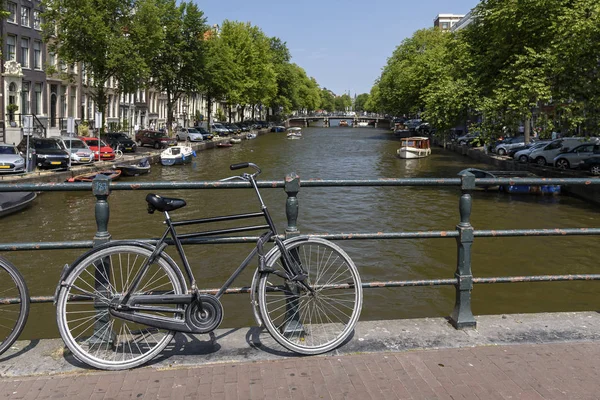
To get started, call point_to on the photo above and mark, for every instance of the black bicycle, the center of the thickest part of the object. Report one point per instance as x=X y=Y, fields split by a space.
x=120 y=304
x=14 y=304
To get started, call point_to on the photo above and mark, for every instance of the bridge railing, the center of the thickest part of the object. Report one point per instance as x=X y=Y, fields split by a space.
x=464 y=233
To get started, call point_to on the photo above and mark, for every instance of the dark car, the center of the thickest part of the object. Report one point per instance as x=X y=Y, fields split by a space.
x=122 y=140
x=206 y=135
x=591 y=164
x=47 y=153
x=156 y=139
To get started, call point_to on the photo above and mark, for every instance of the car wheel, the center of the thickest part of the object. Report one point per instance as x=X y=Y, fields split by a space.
x=187 y=139
x=562 y=164
x=157 y=145
x=139 y=143
x=540 y=161
x=595 y=170
x=501 y=152
x=177 y=137
x=523 y=159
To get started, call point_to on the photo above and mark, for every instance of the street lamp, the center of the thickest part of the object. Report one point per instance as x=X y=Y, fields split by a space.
x=184 y=107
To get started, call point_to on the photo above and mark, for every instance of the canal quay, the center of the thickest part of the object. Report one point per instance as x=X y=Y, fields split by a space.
x=410 y=317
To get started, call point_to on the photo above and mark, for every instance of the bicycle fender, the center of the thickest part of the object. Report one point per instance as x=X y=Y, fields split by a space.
x=68 y=268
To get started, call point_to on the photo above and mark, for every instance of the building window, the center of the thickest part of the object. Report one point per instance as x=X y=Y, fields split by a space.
x=37 y=20
x=37 y=54
x=12 y=12
x=445 y=25
x=52 y=59
x=25 y=15
x=25 y=52
x=37 y=105
x=11 y=43
x=25 y=98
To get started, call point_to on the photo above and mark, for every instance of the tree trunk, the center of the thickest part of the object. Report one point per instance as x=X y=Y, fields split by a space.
x=527 y=130
x=208 y=111
x=229 y=110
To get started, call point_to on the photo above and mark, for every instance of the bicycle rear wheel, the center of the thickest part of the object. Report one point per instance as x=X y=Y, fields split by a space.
x=14 y=304
x=103 y=275
x=305 y=322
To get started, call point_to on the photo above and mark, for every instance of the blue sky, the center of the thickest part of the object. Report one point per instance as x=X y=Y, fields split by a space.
x=342 y=44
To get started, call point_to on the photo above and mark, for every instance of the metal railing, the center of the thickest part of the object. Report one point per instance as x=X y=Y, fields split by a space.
x=464 y=234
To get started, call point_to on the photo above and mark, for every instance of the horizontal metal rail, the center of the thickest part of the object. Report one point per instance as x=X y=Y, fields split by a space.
x=463 y=233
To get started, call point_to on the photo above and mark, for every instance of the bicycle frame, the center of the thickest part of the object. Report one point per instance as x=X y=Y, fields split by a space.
x=130 y=302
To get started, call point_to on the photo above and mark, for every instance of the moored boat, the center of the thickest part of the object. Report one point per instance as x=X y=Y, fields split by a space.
x=113 y=174
x=343 y=122
x=278 y=129
x=141 y=168
x=294 y=133
x=362 y=123
x=11 y=202
x=177 y=155
x=251 y=135
x=222 y=144
x=414 y=147
x=235 y=140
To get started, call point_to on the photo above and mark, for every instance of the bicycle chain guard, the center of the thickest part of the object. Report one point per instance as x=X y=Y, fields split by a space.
x=205 y=319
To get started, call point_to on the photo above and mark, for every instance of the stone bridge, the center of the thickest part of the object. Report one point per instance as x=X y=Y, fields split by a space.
x=355 y=121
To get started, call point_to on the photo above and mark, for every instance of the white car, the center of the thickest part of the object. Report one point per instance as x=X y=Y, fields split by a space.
x=189 y=135
x=79 y=150
x=523 y=155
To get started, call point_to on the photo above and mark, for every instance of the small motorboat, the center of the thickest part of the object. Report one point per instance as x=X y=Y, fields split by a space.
x=141 y=168
x=113 y=175
x=235 y=140
x=343 y=122
x=177 y=155
x=414 y=147
x=222 y=144
x=294 y=133
x=11 y=202
x=251 y=135
x=362 y=124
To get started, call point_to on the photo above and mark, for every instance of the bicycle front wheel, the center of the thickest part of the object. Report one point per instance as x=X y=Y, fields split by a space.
x=305 y=321
x=14 y=304
x=102 y=276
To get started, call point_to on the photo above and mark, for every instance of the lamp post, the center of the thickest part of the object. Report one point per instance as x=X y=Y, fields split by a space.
x=184 y=107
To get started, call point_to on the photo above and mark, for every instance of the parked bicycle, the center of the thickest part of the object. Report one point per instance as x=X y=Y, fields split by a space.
x=14 y=305
x=120 y=304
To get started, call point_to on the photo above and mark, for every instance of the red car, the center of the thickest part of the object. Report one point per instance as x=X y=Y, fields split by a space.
x=106 y=153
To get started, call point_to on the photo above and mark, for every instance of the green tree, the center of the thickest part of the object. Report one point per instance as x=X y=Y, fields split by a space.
x=361 y=100
x=177 y=64
x=110 y=37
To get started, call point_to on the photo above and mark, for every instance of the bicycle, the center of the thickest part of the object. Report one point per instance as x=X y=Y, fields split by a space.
x=14 y=304
x=120 y=304
x=118 y=151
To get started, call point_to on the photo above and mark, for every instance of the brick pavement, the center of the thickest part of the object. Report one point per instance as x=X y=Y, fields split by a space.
x=524 y=371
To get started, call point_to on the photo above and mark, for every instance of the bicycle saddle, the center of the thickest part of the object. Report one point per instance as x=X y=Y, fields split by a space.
x=162 y=204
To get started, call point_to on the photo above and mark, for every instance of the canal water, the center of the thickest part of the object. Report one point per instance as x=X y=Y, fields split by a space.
x=337 y=153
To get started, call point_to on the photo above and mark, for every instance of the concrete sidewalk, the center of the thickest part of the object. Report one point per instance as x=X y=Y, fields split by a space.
x=534 y=356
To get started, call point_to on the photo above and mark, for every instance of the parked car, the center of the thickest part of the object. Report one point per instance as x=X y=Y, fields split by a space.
x=102 y=151
x=591 y=164
x=10 y=159
x=523 y=155
x=189 y=135
x=467 y=139
x=545 y=155
x=156 y=139
x=573 y=157
x=122 y=140
x=206 y=135
x=47 y=153
x=79 y=150
x=219 y=129
x=508 y=143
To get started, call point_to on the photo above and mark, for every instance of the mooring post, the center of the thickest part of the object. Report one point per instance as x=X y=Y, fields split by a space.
x=292 y=187
x=102 y=335
x=462 y=316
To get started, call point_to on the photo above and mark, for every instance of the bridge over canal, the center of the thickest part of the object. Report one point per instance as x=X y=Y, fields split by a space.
x=354 y=121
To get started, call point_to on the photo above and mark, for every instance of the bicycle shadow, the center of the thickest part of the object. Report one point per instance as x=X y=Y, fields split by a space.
x=9 y=356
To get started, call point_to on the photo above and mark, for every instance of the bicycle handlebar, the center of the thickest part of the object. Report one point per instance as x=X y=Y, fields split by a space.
x=245 y=165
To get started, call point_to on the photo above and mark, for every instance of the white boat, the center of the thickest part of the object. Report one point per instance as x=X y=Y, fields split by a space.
x=294 y=133
x=251 y=135
x=235 y=140
x=414 y=147
x=362 y=123
x=177 y=155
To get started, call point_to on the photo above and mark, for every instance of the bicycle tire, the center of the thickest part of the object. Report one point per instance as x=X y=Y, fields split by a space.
x=118 y=154
x=94 y=336
x=300 y=321
x=14 y=309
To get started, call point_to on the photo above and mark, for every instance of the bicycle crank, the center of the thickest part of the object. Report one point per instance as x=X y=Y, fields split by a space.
x=205 y=319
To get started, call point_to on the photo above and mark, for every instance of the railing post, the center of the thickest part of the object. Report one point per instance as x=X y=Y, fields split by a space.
x=292 y=187
x=102 y=335
x=462 y=316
